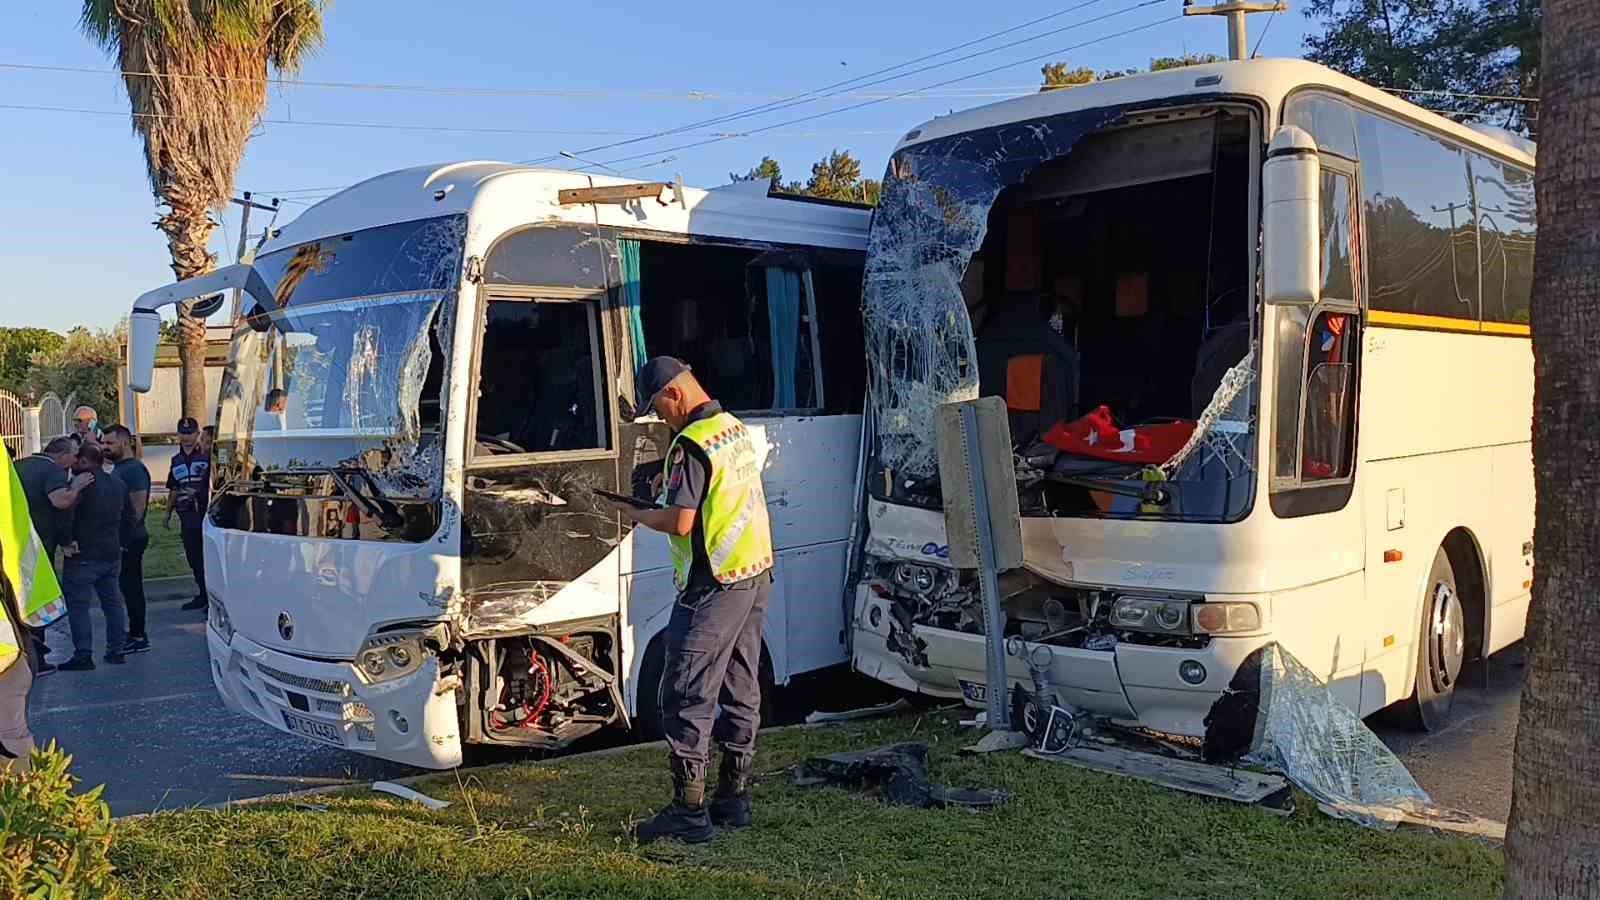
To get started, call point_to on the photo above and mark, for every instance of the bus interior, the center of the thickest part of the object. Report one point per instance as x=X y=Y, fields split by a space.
x=1113 y=284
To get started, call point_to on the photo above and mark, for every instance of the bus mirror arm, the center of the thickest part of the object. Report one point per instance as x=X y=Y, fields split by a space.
x=144 y=325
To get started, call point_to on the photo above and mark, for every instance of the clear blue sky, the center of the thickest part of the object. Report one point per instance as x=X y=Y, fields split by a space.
x=77 y=210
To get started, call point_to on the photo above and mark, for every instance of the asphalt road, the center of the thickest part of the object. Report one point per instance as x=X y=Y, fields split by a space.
x=155 y=734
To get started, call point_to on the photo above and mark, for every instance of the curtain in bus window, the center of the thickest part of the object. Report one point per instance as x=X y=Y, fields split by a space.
x=932 y=218
x=1330 y=396
x=1506 y=218
x=1291 y=348
x=632 y=299
x=1421 y=243
x=783 y=321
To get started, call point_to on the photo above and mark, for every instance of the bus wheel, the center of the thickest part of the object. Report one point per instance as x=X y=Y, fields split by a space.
x=1440 y=647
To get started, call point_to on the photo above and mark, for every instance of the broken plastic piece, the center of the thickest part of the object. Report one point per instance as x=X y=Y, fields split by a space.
x=405 y=793
x=1278 y=714
x=865 y=712
x=902 y=771
x=998 y=742
x=1238 y=785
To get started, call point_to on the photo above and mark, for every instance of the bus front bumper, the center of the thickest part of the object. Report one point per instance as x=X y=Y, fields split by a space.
x=407 y=720
x=1128 y=682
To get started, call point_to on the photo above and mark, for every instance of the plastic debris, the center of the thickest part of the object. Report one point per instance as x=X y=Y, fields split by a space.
x=405 y=793
x=865 y=712
x=1278 y=714
x=901 y=771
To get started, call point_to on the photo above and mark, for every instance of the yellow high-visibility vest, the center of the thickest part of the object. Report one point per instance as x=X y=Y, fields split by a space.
x=24 y=565
x=733 y=515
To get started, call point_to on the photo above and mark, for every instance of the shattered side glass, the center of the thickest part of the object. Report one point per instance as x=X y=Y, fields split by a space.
x=932 y=219
x=1281 y=716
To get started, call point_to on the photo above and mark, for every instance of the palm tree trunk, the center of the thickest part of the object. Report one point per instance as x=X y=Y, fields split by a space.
x=188 y=229
x=1553 y=840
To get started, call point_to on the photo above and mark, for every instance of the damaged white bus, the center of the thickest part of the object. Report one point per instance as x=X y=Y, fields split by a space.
x=1313 y=430
x=432 y=377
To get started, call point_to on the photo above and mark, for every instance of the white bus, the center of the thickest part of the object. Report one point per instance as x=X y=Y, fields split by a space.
x=1314 y=431
x=434 y=373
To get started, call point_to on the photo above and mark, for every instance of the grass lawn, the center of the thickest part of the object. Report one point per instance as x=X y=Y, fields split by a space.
x=560 y=829
x=164 y=557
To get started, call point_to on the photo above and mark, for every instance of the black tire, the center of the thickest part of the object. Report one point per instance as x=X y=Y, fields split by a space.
x=647 y=722
x=1441 y=648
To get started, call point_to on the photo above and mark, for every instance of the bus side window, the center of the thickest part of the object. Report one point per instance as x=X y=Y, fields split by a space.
x=1330 y=399
x=539 y=376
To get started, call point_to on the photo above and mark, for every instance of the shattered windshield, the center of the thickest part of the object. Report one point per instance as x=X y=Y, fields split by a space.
x=348 y=369
x=1055 y=262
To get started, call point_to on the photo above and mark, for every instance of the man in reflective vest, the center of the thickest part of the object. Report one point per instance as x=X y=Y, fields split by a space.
x=714 y=514
x=29 y=597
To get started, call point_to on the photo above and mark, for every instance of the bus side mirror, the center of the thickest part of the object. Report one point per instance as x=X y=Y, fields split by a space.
x=1291 y=242
x=144 y=332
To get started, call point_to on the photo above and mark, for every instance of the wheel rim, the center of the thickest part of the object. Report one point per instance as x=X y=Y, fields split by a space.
x=1446 y=637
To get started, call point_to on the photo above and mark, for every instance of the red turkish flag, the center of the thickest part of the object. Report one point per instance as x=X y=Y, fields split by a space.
x=1097 y=435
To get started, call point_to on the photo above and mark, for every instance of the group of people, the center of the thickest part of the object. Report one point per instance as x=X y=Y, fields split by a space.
x=88 y=495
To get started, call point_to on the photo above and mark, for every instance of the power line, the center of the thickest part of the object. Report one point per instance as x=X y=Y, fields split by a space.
x=864 y=104
x=827 y=92
x=398 y=126
x=453 y=91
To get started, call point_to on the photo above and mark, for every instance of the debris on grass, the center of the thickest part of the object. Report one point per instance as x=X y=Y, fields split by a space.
x=405 y=793
x=865 y=712
x=901 y=770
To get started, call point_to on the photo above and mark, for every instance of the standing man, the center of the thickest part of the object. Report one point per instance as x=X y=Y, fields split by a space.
x=189 y=486
x=94 y=559
x=29 y=597
x=51 y=493
x=714 y=514
x=136 y=478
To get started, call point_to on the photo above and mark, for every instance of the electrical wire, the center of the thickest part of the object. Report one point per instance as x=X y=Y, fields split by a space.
x=824 y=93
x=1264 y=29
x=862 y=105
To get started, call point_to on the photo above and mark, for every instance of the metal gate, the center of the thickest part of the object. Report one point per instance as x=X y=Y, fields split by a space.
x=52 y=418
x=11 y=422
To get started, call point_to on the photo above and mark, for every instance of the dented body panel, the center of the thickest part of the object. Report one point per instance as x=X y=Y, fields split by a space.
x=468 y=595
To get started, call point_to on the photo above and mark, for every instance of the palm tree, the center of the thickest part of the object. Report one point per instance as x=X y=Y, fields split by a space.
x=1553 y=839
x=196 y=74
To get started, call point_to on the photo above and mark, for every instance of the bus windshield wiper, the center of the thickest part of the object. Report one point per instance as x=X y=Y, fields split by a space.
x=1158 y=493
x=373 y=502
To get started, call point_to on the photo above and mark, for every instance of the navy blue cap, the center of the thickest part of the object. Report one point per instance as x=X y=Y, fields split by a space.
x=187 y=425
x=653 y=376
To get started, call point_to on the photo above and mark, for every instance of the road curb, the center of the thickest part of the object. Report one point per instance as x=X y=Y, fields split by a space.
x=169 y=589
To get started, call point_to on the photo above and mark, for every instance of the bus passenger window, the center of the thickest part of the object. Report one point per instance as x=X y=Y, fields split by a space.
x=539 y=377
x=1329 y=400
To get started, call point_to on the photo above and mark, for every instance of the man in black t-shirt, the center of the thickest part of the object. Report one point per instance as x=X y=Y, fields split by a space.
x=94 y=559
x=189 y=486
x=134 y=475
x=52 y=492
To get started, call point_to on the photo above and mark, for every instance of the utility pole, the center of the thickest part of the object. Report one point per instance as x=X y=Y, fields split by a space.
x=244 y=240
x=1235 y=11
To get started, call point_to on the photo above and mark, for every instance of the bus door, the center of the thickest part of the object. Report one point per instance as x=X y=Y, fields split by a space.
x=538 y=545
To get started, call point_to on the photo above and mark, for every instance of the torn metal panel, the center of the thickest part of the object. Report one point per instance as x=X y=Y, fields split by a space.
x=931 y=220
x=1278 y=714
x=1237 y=785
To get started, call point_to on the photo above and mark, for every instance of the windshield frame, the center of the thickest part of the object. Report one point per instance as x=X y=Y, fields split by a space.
x=1260 y=114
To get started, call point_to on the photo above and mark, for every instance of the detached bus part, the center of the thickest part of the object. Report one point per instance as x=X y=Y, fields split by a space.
x=1262 y=335
x=430 y=377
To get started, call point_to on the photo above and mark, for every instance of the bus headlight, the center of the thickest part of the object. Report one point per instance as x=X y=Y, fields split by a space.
x=915 y=579
x=1159 y=615
x=391 y=655
x=1226 y=617
x=217 y=618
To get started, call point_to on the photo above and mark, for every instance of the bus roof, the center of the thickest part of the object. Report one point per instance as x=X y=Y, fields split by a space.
x=505 y=195
x=1269 y=79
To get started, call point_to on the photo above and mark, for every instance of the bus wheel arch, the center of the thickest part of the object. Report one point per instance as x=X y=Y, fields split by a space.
x=1451 y=619
x=647 y=715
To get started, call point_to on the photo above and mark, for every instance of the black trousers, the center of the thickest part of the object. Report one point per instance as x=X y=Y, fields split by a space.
x=194 y=552
x=711 y=683
x=132 y=582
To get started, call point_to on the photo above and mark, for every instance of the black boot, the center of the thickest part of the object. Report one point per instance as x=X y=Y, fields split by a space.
x=730 y=807
x=685 y=819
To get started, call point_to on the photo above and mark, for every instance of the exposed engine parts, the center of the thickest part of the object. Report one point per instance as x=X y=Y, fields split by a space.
x=542 y=690
x=1036 y=611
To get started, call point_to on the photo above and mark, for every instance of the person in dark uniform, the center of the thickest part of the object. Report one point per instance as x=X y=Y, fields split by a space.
x=714 y=514
x=189 y=486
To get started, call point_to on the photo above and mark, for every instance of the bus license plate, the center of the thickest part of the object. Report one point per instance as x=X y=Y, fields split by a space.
x=974 y=692
x=311 y=728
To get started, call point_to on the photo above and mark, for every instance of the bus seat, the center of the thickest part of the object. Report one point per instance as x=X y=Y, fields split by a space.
x=1036 y=395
